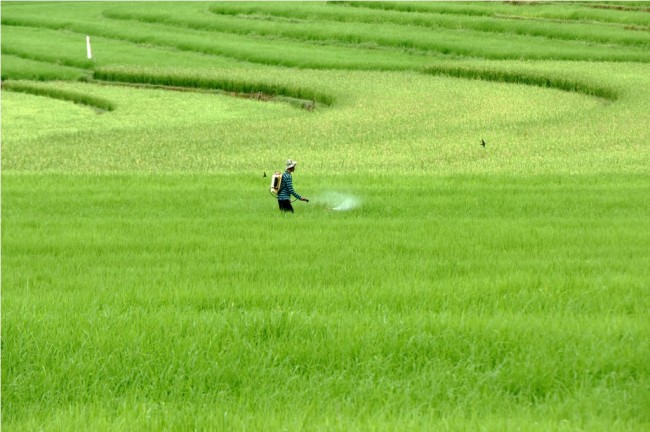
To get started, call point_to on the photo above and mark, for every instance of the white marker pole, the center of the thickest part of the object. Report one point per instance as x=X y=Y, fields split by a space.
x=90 y=54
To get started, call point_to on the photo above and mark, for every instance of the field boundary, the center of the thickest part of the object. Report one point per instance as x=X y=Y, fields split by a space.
x=99 y=104
x=305 y=97
x=524 y=78
x=306 y=104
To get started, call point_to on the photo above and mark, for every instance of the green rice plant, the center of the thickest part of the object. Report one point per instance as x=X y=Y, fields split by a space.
x=476 y=44
x=300 y=54
x=248 y=49
x=553 y=11
x=64 y=127
x=513 y=24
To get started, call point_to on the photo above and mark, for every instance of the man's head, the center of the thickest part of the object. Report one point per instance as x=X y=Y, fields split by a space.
x=291 y=165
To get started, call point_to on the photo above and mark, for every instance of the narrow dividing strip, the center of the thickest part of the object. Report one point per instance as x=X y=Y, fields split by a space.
x=308 y=105
x=524 y=78
x=100 y=104
x=299 y=96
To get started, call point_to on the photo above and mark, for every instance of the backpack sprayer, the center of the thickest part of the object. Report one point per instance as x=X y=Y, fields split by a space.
x=276 y=183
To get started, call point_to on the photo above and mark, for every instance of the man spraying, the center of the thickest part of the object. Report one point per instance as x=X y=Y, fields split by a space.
x=286 y=188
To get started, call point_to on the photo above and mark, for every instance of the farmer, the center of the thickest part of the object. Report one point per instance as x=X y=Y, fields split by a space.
x=286 y=189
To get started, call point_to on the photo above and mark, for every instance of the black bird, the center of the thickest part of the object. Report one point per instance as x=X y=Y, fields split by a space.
x=264 y=174
x=482 y=142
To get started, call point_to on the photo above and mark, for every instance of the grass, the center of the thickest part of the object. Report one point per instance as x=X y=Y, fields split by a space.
x=407 y=307
x=149 y=281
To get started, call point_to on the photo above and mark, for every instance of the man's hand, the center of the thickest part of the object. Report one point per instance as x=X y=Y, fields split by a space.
x=304 y=199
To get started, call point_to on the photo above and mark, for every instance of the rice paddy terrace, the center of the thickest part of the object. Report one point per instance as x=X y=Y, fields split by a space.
x=491 y=275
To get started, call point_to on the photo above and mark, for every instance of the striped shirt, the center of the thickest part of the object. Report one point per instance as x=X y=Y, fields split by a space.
x=286 y=189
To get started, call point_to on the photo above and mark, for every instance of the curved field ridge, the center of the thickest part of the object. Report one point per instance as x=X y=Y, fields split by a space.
x=45 y=57
x=527 y=78
x=65 y=95
x=303 y=96
x=19 y=68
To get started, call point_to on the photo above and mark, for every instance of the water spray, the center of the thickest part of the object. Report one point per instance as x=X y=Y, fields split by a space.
x=338 y=201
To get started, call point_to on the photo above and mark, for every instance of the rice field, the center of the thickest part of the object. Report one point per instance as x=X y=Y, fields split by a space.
x=474 y=255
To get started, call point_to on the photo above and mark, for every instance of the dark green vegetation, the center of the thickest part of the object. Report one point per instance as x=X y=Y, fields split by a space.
x=148 y=281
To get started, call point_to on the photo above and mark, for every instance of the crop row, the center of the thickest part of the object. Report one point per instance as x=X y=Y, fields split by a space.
x=444 y=40
x=551 y=11
x=322 y=44
x=301 y=96
x=65 y=51
x=122 y=43
x=243 y=48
